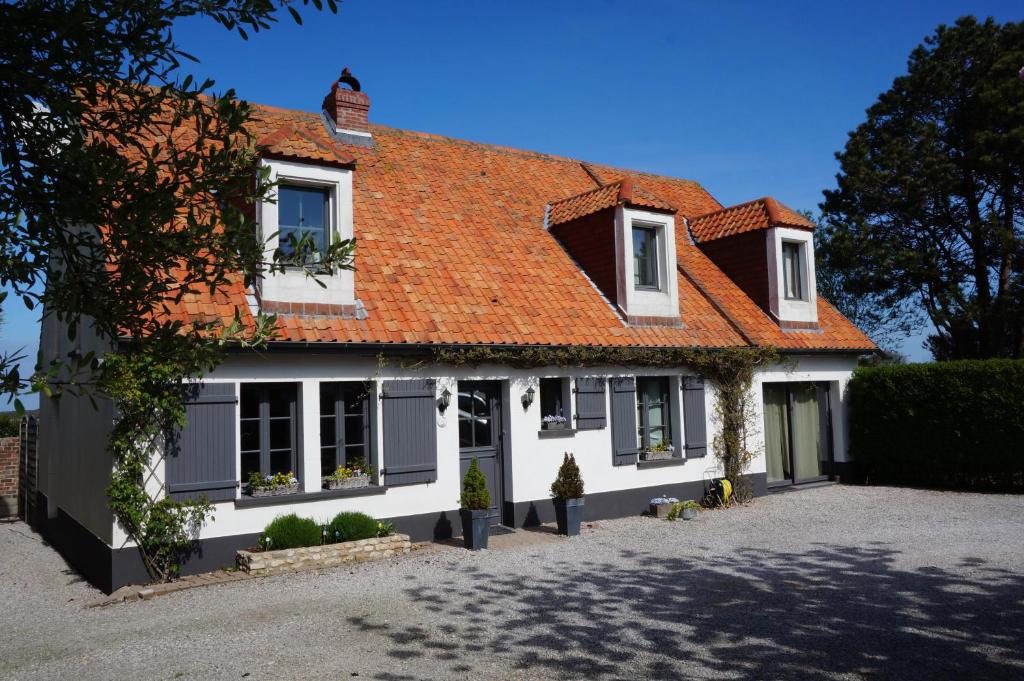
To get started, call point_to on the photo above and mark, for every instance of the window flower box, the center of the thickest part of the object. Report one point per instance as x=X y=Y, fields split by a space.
x=553 y=422
x=659 y=452
x=354 y=476
x=274 y=485
x=659 y=455
x=353 y=482
x=274 y=491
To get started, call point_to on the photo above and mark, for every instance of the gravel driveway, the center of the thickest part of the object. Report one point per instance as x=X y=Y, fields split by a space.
x=829 y=583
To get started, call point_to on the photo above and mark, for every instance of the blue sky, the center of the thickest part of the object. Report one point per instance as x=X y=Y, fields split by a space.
x=748 y=98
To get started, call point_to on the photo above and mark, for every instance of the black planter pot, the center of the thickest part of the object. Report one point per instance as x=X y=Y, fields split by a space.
x=476 y=526
x=569 y=512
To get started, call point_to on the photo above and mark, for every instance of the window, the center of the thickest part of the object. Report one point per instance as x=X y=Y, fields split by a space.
x=344 y=426
x=654 y=429
x=303 y=211
x=268 y=424
x=476 y=417
x=792 y=271
x=555 y=407
x=645 y=257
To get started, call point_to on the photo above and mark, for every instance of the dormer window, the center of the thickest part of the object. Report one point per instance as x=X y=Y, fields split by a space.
x=645 y=257
x=793 y=271
x=304 y=211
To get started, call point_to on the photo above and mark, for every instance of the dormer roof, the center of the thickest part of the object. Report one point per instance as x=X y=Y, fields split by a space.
x=762 y=213
x=624 y=191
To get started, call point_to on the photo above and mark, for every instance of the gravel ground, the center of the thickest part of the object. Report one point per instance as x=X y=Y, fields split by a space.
x=829 y=583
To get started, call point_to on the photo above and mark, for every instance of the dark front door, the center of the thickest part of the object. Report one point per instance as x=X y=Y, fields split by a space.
x=480 y=435
x=798 y=432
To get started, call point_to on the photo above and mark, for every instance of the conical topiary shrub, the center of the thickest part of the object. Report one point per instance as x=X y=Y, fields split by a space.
x=567 y=489
x=568 y=484
x=475 y=496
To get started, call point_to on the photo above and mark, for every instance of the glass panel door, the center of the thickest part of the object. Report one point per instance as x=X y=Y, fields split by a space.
x=776 y=432
x=807 y=443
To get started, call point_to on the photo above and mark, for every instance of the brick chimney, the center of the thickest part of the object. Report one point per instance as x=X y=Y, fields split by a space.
x=348 y=110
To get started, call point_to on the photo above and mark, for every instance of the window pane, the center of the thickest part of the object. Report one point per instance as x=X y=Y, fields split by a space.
x=250 y=401
x=327 y=460
x=328 y=438
x=281 y=462
x=656 y=415
x=465 y=433
x=551 y=397
x=482 y=431
x=250 y=464
x=250 y=435
x=281 y=397
x=327 y=393
x=792 y=271
x=302 y=210
x=280 y=433
x=645 y=257
x=354 y=432
x=657 y=436
x=355 y=454
x=354 y=397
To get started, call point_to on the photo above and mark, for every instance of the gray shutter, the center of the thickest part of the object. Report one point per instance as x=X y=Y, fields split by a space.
x=200 y=458
x=408 y=416
x=624 y=439
x=695 y=421
x=590 y=404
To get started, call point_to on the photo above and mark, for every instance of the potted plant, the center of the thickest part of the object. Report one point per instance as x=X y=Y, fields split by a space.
x=658 y=452
x=349 y=477
x=567 y=490
x=272 y=485
x=686 y=509
x=662 y=506
x=475 y=505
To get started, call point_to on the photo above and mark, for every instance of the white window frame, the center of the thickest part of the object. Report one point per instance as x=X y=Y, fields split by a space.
x=804 y=310
x=644 y=301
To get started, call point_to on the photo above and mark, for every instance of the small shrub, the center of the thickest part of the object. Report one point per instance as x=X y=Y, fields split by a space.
x=290 y=532
x=568 y=484
x=10 y=425
x=352 y=526
x=385 y=529
x=475 y=496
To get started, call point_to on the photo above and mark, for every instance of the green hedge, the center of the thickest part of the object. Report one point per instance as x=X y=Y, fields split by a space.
x=952 y=424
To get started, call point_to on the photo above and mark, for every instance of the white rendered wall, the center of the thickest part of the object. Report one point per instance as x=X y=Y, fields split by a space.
x=74 y=465
x=532 y=461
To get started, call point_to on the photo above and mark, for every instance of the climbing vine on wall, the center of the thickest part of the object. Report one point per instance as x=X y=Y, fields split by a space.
x=730 y=370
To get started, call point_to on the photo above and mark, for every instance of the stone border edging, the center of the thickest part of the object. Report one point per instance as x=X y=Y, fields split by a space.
x=259 y=563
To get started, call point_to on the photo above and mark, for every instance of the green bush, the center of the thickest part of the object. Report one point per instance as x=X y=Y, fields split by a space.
x=352 y=526
x=10 y=425
x=952 y=424
x=568 y=484
x=290 y=532
x=475 y=496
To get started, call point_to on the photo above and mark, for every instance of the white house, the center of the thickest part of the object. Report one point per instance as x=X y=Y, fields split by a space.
x=465 y=245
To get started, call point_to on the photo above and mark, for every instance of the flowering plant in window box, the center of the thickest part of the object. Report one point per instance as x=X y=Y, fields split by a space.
x=272 y=485
x=553 y=422
x=658 y=452
x=356 y=475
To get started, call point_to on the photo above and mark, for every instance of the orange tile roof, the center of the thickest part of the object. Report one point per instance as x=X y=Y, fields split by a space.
x=608 y=195
x=746 y=217
x=452 y=249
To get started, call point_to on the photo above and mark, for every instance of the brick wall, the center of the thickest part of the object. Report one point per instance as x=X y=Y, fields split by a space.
x=9 y=447
x=591 y=241
x=744 y=259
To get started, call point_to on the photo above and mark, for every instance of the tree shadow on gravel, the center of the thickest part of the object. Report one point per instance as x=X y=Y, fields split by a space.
x=755 y=614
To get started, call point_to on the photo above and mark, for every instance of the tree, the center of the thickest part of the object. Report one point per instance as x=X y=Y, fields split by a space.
x=124 y=184
x=886 y=325
x=124 y=187
x=929 y=208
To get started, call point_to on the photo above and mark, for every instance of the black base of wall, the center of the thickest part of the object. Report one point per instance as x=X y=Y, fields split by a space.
x=848 y=472
x=110 y=569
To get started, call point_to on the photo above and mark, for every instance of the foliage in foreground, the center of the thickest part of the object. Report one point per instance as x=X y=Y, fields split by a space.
x=475 y=495
x=352 y=526
x=951 y=424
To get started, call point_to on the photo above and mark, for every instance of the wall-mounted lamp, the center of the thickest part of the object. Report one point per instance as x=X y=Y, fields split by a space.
x=528 y=397
x=446 y=399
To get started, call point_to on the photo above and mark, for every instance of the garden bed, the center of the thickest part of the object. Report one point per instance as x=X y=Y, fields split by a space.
x=257 y=562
